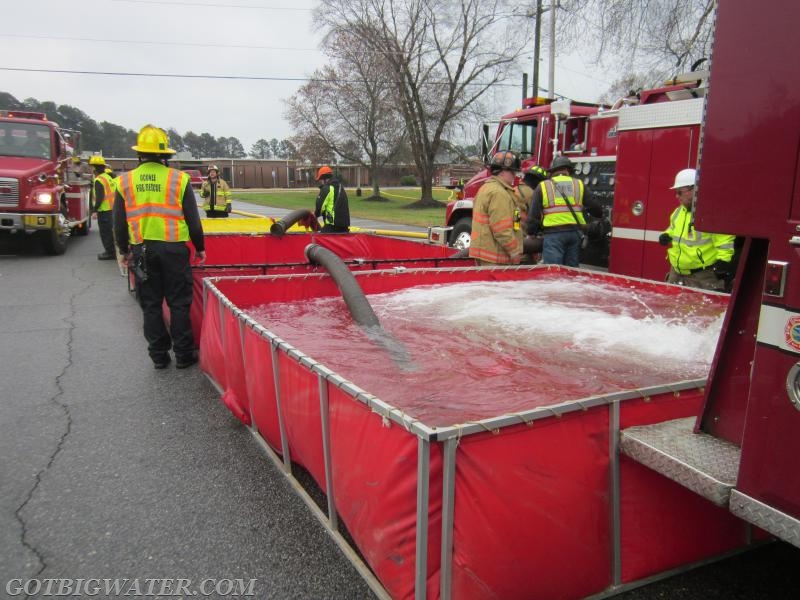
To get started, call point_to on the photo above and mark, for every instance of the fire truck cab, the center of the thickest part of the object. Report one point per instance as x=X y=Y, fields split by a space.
x=40 y=193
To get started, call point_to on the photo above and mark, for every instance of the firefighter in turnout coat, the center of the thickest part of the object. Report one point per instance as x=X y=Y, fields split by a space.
x=496 y=234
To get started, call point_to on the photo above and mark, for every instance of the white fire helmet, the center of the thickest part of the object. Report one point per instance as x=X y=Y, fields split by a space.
x=685 y=178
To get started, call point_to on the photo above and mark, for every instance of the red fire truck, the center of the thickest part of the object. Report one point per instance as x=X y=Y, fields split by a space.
x=740 y=452
x=627 y=155
x=39 y=191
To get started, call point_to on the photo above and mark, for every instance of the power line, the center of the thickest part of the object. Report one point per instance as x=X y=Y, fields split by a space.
x=196 y=5
x=206 y=76
x=164 y=75
x=145 y=42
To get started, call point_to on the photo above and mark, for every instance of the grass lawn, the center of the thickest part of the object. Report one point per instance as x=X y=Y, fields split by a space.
x=394 y=211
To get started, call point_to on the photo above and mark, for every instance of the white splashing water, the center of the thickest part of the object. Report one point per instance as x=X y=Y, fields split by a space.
x=598 y=318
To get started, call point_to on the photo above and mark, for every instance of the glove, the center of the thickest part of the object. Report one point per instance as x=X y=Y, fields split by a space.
x=722 y=269
x=665 y=239
x=309 y=221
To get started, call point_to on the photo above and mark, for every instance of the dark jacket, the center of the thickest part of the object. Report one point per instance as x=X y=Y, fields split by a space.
x=335 y=212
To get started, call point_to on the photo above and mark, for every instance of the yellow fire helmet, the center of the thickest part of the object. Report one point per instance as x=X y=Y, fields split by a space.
x=152 y=140
x=97 y=160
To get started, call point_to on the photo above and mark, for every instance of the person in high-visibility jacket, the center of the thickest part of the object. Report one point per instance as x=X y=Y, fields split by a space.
x=155 y=214
x=217 y=194
x=496 y=237
x=557 y=213
x=102 y=204
x=332 y=203
x=697 y=259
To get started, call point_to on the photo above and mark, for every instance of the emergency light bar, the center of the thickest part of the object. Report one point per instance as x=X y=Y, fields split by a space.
x=23 y=114
x=535 y=101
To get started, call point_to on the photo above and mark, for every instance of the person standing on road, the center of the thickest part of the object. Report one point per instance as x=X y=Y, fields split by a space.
x=217 y=194
x=557 y=213
x=496 y=238
x=155 y=214
x=697 y=259
x=102 y=205
x=332 y=204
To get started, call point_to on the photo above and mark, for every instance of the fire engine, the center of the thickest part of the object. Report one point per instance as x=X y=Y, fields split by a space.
x=626 y=154
x=40 y=193
x=740 y=450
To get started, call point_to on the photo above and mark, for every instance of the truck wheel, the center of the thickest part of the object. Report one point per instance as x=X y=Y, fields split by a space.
x=461 y=236
x=54 y=241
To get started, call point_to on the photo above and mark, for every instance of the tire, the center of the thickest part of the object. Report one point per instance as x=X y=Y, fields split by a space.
x=54 y=241
x=461 y=236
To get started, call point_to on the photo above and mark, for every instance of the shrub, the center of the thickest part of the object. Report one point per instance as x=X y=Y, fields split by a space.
x=408 y=180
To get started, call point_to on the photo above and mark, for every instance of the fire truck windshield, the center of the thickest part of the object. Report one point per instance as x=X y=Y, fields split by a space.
x=518 y=137
x=27 y=140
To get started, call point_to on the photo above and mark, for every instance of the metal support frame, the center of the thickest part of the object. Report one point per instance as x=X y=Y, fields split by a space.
x=448 y=518
x=333 y=518
x=423 y=491
x=615 y=493
x=351 y=555
x=287 y=460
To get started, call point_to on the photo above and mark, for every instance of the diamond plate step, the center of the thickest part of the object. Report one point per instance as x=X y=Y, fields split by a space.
x=768 y=518
x=706 y=465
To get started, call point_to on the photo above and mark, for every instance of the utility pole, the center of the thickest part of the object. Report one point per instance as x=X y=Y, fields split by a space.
x=537 y=37
x=551 y=76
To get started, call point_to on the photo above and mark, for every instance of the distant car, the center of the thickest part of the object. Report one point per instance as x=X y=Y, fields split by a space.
x=196 y=178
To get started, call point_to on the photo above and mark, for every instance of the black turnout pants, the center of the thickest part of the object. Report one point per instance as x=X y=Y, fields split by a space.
x=106 y=226
x=169 y=277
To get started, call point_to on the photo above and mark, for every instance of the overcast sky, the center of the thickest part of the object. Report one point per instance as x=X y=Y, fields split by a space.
x=267 y=46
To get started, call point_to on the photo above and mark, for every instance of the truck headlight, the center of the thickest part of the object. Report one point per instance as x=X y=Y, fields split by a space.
x=44 y=198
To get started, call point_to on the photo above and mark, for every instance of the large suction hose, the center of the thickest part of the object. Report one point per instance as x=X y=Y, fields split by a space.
x=279 y=227
x=357 y=303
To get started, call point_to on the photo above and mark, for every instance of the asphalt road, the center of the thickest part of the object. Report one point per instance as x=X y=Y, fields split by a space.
x=111 y=469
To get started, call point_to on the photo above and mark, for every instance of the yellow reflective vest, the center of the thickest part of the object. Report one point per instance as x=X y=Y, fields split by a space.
x=692 y=250
x=556 y=193
x=153 y=195
x=108 y=191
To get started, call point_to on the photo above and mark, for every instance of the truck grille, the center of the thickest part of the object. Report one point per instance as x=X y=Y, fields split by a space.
x=9 y=191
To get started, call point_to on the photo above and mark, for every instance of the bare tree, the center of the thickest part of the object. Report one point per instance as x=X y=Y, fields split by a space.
x=652 y=39
x=441 y=56
x=350 y=108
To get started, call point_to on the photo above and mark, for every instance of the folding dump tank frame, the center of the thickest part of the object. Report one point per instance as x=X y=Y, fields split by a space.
x=535 y=504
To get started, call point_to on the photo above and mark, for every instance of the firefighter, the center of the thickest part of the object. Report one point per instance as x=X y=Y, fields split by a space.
x=697 y=259
x=557 y=213
x=217 y=194
x=155 y=214
x=496 y=234
x=102 y=205
x=531 y=178
x=332 y=204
